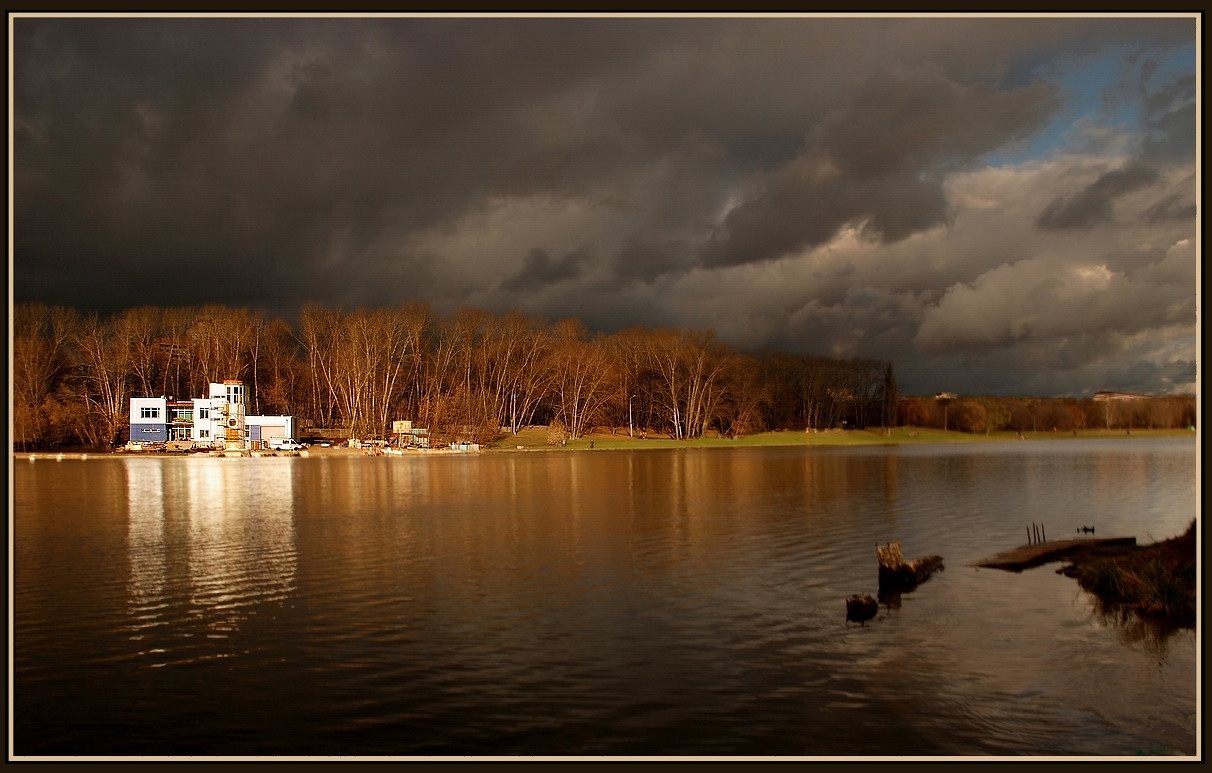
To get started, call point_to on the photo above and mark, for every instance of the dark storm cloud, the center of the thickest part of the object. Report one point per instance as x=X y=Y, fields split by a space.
x=1169 y=136
x=1092 y=205
x=606 y=167
x=289 y=146
x=1170 y=121
x=1144 y=376
x=646 y=259
x=540 y=270
x=301 y=145
x=879 y=160
x=1178 y=207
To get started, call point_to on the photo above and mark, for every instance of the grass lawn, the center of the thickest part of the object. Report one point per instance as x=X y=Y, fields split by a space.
x=535 y=438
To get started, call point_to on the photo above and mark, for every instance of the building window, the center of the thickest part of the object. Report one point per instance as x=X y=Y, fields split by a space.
x=149 y=413
x=203 y=434
x=203 y=413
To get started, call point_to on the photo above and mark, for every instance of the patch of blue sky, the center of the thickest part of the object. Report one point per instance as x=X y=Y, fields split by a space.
x=1172 y=65
x=1097 y=91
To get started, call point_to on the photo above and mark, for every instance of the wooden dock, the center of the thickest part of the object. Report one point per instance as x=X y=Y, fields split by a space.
x=1027 y=556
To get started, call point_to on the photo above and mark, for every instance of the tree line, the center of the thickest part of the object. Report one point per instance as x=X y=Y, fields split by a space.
x=1034 y=414
x=472 y=374
x=467 y=375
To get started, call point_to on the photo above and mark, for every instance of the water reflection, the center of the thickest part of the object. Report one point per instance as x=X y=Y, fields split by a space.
x=1153 y=634
x=671 y=602
x=209 y=540
x=147 y=553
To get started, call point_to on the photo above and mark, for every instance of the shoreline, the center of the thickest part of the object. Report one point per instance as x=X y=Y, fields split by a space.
x=1155 y=581
x=535 y=439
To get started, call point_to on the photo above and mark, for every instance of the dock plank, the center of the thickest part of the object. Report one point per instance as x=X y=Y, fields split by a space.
x=1028 y=556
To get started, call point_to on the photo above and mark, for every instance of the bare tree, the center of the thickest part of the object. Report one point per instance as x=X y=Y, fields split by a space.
x=106 y=362
x=319 y=329
x=512 y=367
x=221 y=342
x=748 y=393
x=362 y=355
x=40 y=337
x=688 y=366
x=584 y=378
x=173 y=351
x=280 y=374
x=142 y=329
x=888 y=401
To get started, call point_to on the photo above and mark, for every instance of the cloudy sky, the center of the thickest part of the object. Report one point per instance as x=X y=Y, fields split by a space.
x=998 y=206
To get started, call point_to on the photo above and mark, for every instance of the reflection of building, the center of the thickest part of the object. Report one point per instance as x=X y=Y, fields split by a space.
x=216 y=421
x=183 y=523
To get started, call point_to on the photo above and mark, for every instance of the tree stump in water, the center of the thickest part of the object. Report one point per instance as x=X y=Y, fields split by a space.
x=861 y=608
x=897 y=573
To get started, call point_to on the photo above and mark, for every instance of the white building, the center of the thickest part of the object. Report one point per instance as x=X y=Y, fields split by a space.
x=148 y=419
x=266 y=428
x=216 y=421
x=229 y=398
x=208 y=420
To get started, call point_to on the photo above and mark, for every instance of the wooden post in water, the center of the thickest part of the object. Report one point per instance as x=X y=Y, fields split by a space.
x=1044 y=533
x=1028 y=535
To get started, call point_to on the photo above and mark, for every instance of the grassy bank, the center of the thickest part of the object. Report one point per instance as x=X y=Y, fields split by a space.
x=535 y=438
x=1156 y=581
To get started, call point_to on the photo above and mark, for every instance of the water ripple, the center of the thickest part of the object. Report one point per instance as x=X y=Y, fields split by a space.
x=647 y=603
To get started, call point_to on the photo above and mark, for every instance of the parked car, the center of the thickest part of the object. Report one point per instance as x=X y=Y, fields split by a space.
x=285 y=444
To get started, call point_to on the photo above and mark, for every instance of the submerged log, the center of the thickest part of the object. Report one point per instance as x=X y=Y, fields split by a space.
x=860 y=608
x=897 y=573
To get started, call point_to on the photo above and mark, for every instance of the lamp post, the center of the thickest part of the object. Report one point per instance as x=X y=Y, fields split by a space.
x=630 y=429
x=944 y=398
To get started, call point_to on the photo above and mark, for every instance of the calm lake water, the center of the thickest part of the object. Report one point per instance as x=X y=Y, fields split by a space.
x=686 y=602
